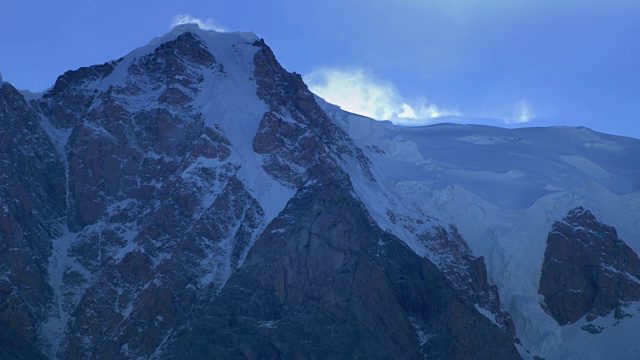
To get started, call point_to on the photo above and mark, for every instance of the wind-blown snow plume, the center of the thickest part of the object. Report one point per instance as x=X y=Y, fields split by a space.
x=208 y=24
x=360 y=92
x=510 y=112
x=524 y=113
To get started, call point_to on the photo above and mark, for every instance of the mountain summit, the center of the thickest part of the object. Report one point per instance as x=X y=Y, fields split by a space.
x=193 y=199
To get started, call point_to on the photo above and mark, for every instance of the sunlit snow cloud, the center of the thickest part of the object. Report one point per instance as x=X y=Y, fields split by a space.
x=358 y=91
x=524 y=113
x=519 y=112
x=208 y=24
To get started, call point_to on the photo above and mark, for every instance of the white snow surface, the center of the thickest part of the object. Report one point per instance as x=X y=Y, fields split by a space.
x=617 y=340
x=488 y=314
x=504 y=189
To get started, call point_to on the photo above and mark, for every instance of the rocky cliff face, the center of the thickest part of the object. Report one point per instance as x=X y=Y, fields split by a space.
x=467 y=273
x=32 y=193
x=587 y=270
x=191 y=199
x=14 y=346
x=323 y=281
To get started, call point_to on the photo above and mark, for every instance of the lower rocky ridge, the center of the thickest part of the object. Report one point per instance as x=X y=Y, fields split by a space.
x=587 y=270
x=467 y=273
x=324 y=281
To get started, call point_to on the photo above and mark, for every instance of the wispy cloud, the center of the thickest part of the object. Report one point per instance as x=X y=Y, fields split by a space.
x=359 y=91
x=523 y=111
x=207 y=24
x=518 y=112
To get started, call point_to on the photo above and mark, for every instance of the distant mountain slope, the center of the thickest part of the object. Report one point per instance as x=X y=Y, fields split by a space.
x=504 y=189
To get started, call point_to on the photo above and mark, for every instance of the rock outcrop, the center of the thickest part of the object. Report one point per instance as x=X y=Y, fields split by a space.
x=467 y=273
x=587 y=270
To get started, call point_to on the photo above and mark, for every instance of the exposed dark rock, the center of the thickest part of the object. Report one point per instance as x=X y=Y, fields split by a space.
x=32 y=208
x=592 y=329
x=72 y=95
x=14 y=346
x=172 y=70
x=296 y=133
x=587 y=270
x=467 y=273
x=323 y=281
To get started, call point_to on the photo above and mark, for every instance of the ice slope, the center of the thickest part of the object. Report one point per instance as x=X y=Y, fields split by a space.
x=503 y=189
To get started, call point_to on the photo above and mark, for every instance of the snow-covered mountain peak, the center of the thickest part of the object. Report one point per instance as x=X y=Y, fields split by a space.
x=187 y=45
x=215 y=40
x=203 y=33
x=229 y=49
x=197 y=160
x=196 y=29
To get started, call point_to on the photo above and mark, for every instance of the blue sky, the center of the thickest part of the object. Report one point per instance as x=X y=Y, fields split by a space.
x=511 y=63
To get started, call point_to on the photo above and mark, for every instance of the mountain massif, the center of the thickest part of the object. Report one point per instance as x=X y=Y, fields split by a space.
x=193 y=199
